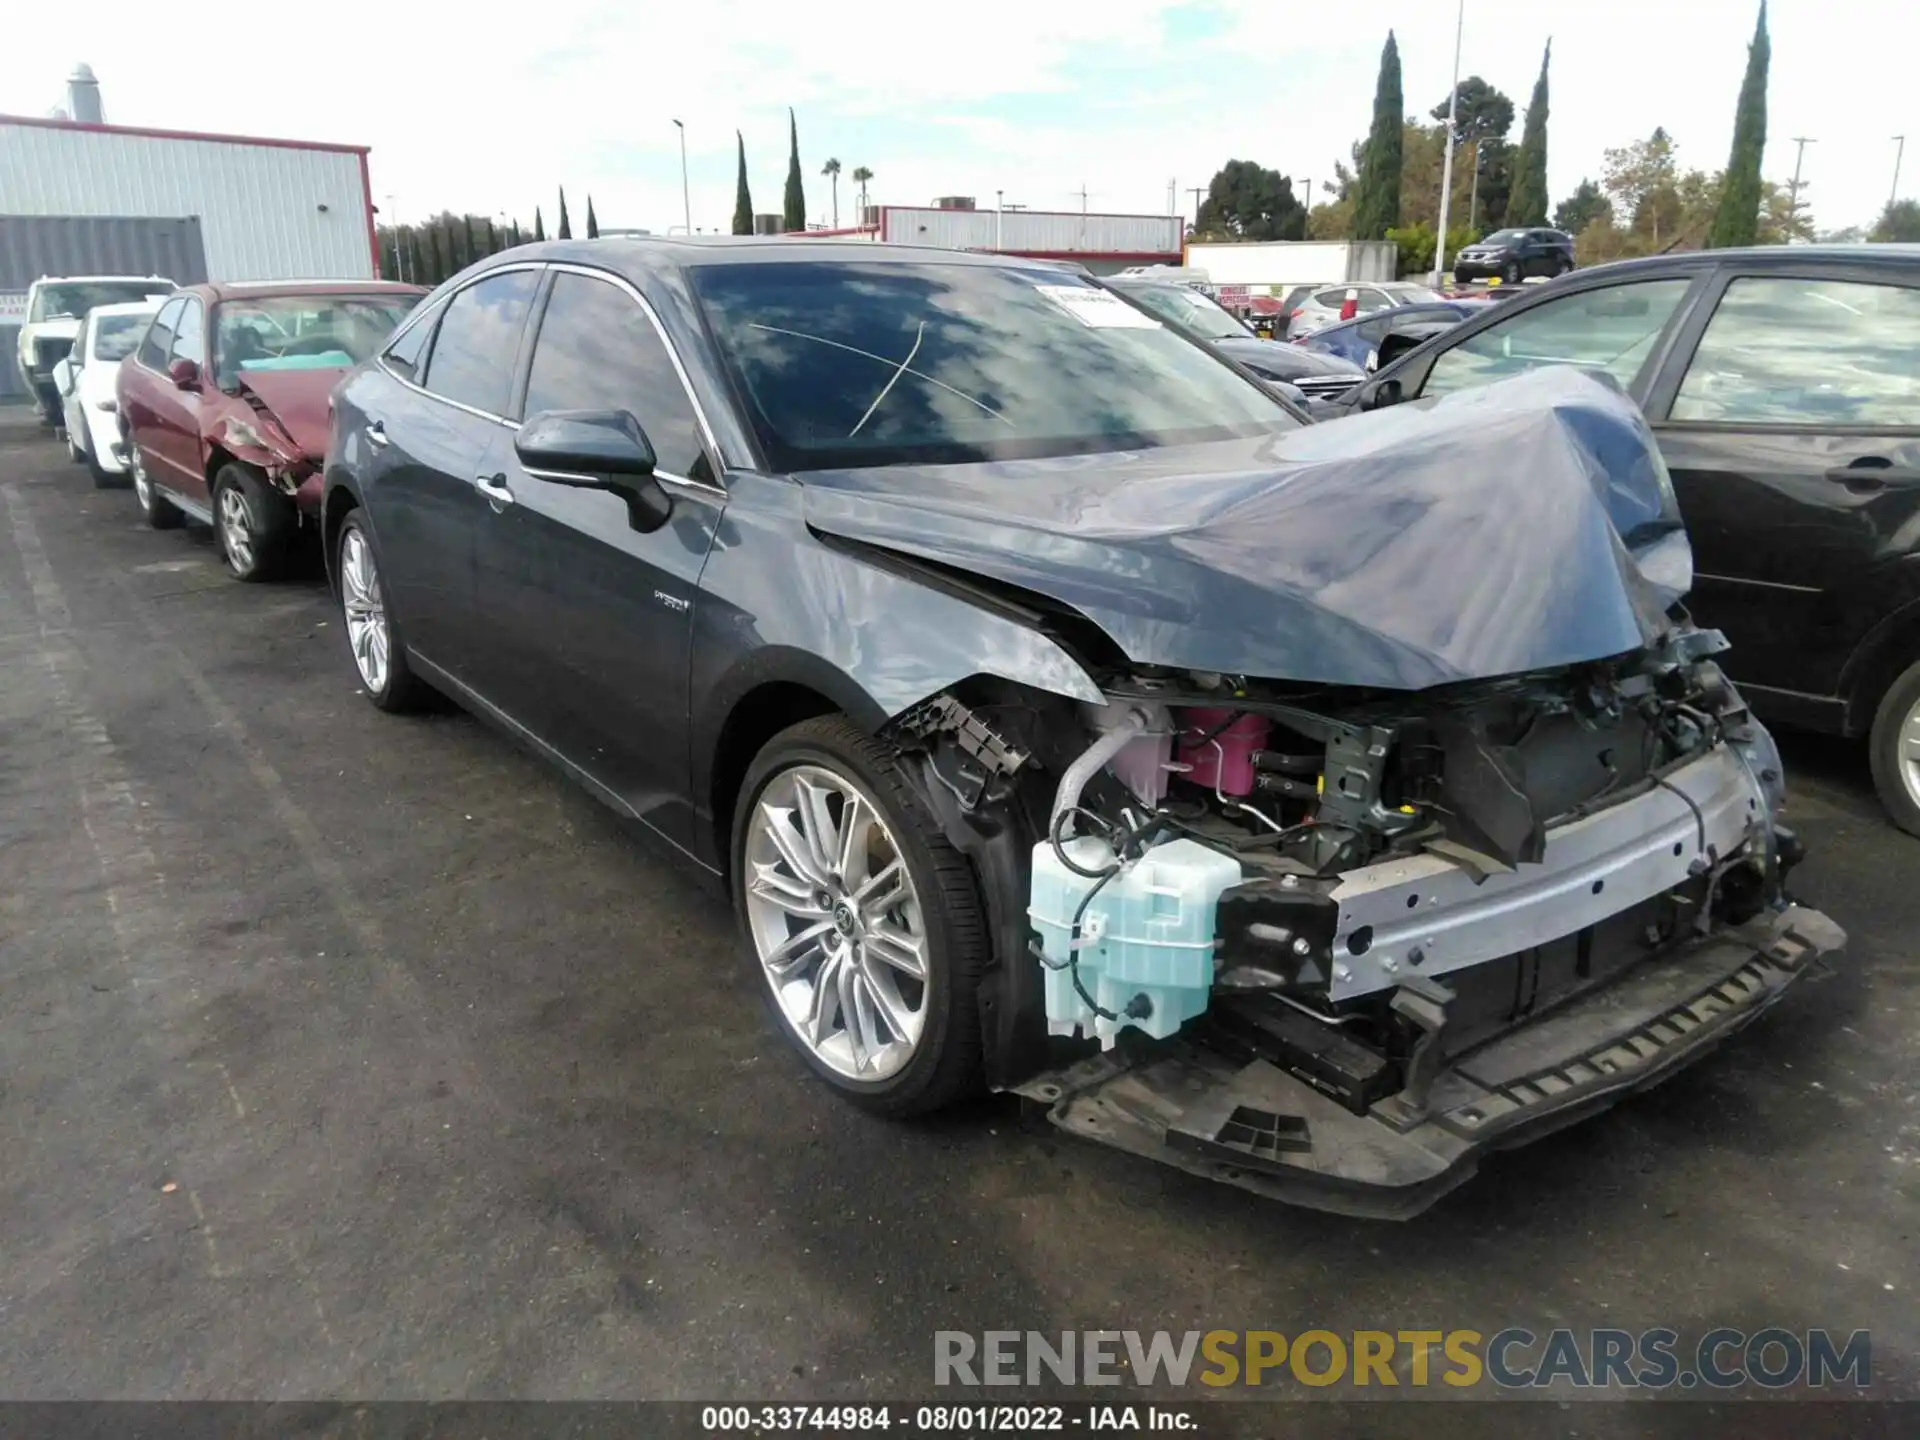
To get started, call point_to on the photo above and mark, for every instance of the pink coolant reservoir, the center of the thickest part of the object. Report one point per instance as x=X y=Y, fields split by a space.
x=1221 y=761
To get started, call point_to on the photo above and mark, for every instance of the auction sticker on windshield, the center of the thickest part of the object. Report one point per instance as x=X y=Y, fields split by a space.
x=1100 y=309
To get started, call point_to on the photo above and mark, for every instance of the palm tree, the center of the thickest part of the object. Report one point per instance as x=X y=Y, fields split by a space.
x=860 y=177
x=832 y=171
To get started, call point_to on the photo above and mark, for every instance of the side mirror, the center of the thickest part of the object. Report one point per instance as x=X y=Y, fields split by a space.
x=184 y=374
x=1396 y=343
x=1292 y=394
x=64 y=375
x=1387 y=392
x=597 y=450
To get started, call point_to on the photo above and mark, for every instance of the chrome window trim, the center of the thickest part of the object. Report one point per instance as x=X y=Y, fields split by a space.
x=419 y=314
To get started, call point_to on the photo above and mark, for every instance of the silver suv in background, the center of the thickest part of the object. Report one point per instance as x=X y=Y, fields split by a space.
x=1329 y=304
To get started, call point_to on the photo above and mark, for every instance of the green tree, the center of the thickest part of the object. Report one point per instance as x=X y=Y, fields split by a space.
x=565 y=232
x=493 y=239
x=742 y=197
x=1482 y=118
x=832 y=171
x=593 y=225
x=1527 y=205
x=1246 y=201
x=514 y=233
x=861 y=175
x=473 y=245
x=1582 y=208
x=1642 y=181
x=539 y=225
x=1737 y=221
x=1376 y=206
x=1899 y=223
x=795 y=199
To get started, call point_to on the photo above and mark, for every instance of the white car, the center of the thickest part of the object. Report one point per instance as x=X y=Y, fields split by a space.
x=55 y=305
x=1328 y=304
x=85 y=380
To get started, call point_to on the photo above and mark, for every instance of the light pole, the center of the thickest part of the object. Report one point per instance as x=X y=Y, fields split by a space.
x=1446 y=168
x=399 y=244
x=1800 y=153
x=999 y=209
x=1899 y=154
x=686 y=200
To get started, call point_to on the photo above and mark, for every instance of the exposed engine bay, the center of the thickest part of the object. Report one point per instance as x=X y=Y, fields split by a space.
x=1236 y=919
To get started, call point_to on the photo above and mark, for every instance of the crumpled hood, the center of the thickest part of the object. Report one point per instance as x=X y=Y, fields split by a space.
x=1521 y=526
x=297 y=401
x=1288 y=362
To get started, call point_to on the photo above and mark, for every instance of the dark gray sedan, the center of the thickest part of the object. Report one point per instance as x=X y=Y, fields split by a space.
x=1063 y=715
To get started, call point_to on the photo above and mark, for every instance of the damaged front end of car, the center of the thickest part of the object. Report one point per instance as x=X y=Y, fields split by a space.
x=1334 y=940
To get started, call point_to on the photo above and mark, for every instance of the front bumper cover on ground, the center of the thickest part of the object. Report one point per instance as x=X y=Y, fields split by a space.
x=1255 y=1126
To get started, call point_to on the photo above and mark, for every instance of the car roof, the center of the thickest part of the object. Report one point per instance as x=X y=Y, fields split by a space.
x=1764 y=255
x=99 y=279
x=638 y=256
x=263 y=289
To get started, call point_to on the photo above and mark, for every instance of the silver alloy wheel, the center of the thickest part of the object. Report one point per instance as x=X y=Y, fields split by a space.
x=142 y=487
x=1909 y=758
x=366 y=611
x=837 y=923
x=236 y=529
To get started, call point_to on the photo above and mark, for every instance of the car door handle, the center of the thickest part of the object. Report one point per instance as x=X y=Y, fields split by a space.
x=494 y=487
x=1873 y=472
x=376 y=434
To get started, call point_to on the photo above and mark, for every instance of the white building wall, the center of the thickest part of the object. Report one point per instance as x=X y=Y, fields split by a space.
x=259 y=205
x=1048 y=232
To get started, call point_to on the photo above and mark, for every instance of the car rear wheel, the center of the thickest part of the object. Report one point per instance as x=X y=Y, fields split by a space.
x=1510 y=272
x=255 y=523
x=863 y=923
x=1894 y=750
x=155 y=508
x=372 y=634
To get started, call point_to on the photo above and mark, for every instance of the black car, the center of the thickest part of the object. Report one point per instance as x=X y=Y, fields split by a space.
x=1514 y=255
x=1063 y=714
x=1315 y=376
x=1783 y=384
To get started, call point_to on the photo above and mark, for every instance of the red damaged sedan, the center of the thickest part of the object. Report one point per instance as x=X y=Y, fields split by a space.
x=223 y=407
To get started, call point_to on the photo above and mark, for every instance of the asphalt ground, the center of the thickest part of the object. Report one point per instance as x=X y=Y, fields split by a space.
x=344 y=1055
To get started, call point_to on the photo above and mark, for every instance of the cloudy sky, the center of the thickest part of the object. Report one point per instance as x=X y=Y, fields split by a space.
x=1120 y=97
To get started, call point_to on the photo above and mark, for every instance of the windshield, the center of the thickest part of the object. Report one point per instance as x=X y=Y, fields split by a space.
x=302 y=332
x=1188 y=310
x=844 y=364
x=1414 y=294
x=114 y=336
x=70 y=299
x=1503 y=237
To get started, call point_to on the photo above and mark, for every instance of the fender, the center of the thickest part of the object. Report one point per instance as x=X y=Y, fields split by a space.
x=1865 y=665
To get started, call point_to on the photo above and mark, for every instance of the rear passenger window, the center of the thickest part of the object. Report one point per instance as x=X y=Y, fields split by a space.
x=598 y=351
x=479 y=339
x=1814 y=353
x=154 y=349
x=1612 y=329
x=406 y=357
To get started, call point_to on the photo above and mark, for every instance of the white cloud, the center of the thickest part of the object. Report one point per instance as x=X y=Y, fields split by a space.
x=472 y=112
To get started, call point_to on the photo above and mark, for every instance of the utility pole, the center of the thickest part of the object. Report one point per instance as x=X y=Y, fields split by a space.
x=999 y=209
x=686 y=200
x=1473 y=195
x=1446 y=169
x=1793 y=190
x=1196 y=191
x=1899 y=154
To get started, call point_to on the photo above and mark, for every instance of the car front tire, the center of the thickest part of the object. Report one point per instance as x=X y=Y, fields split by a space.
x=863 y=925
x=373 y=635
x=254 y=522
x=1510 y=272
x=1893 y=750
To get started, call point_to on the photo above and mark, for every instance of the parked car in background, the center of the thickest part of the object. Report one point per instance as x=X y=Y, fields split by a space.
x=1316 y=377
x=223 y=405
x=55 y=306
x=87 y=379
x=1513 y=255
x=1027 y=675
x=1358 y=341
x=1783 y=384
x=1330 y=304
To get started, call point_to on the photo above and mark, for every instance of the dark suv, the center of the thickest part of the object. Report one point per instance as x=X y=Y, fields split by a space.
x=1513 y=255
x=1783 y=385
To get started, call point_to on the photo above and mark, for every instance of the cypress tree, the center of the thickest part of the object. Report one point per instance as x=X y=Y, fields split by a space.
x=1736 y=220
x=742 y=197
x=513 y=233
x=565 y=232
x=440 y=267
x=796 y=196
x=593 y=225
x=1377 y=208
x=473 y=246
x=539 y=225
x=1527 y=205
x=493 y=239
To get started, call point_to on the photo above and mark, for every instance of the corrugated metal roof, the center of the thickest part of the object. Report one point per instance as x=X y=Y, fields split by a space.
x=267 y=210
